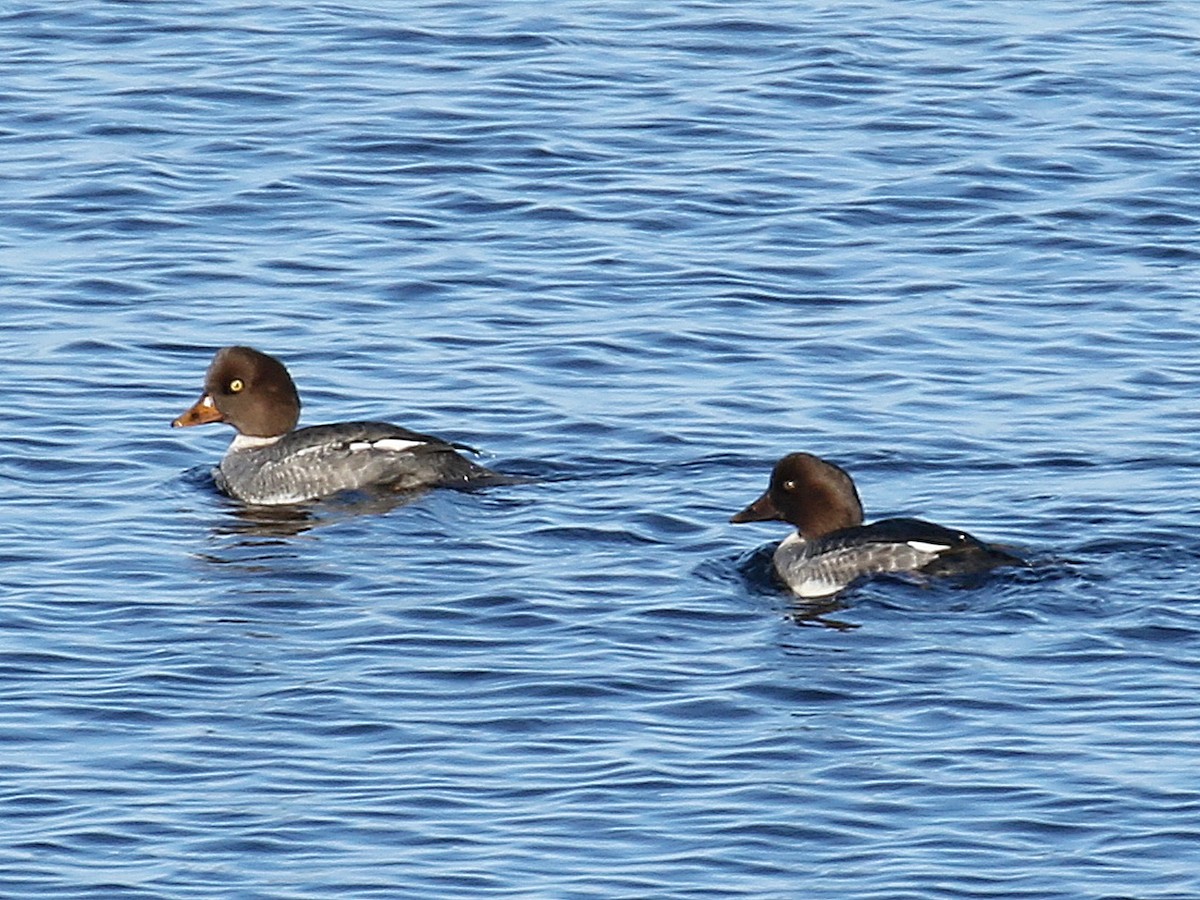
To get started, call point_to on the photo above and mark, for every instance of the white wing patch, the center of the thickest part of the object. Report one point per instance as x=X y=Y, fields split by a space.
x=923 y=547
x=391 y=445
x=310 y=451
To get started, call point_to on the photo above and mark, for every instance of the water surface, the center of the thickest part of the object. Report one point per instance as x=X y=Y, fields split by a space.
x=639 y=254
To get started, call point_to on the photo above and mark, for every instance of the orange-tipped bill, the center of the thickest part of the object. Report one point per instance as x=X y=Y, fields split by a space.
x=201 y=413
x=761 y=510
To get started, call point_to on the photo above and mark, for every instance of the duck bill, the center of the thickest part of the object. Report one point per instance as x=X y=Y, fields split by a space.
x=202 y=412
x=761 y=510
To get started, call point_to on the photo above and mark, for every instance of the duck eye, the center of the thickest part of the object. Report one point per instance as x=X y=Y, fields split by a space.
x=789 y=485
x=236 y=385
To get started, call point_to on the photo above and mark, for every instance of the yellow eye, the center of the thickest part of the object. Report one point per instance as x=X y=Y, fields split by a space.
x=236 y=385
x=789 y=485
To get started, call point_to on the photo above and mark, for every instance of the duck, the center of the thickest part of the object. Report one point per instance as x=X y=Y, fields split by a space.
x=832 y=548
x=271 y=462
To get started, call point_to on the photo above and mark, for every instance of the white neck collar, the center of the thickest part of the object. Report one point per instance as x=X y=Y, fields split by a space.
x=250 y=442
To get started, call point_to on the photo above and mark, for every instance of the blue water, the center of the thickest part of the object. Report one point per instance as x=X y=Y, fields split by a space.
x=639 y=253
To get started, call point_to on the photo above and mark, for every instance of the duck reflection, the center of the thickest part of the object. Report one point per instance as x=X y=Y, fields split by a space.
x=817 y=615
x=276 y=522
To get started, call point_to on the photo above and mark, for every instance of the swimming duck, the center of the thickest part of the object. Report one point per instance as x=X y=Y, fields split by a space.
x=831 y=547
x=271 y=462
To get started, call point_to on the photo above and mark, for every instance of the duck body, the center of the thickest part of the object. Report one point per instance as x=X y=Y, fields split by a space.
x=270 y=462
x=322 y=460
x=828 y=564
x=832 y=548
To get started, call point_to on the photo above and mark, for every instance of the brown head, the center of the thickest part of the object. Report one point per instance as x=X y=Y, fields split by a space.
x=251 y=391
x=814 y=495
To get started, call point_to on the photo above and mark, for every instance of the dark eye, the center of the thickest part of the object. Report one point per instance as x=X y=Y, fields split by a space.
x=236 y=385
